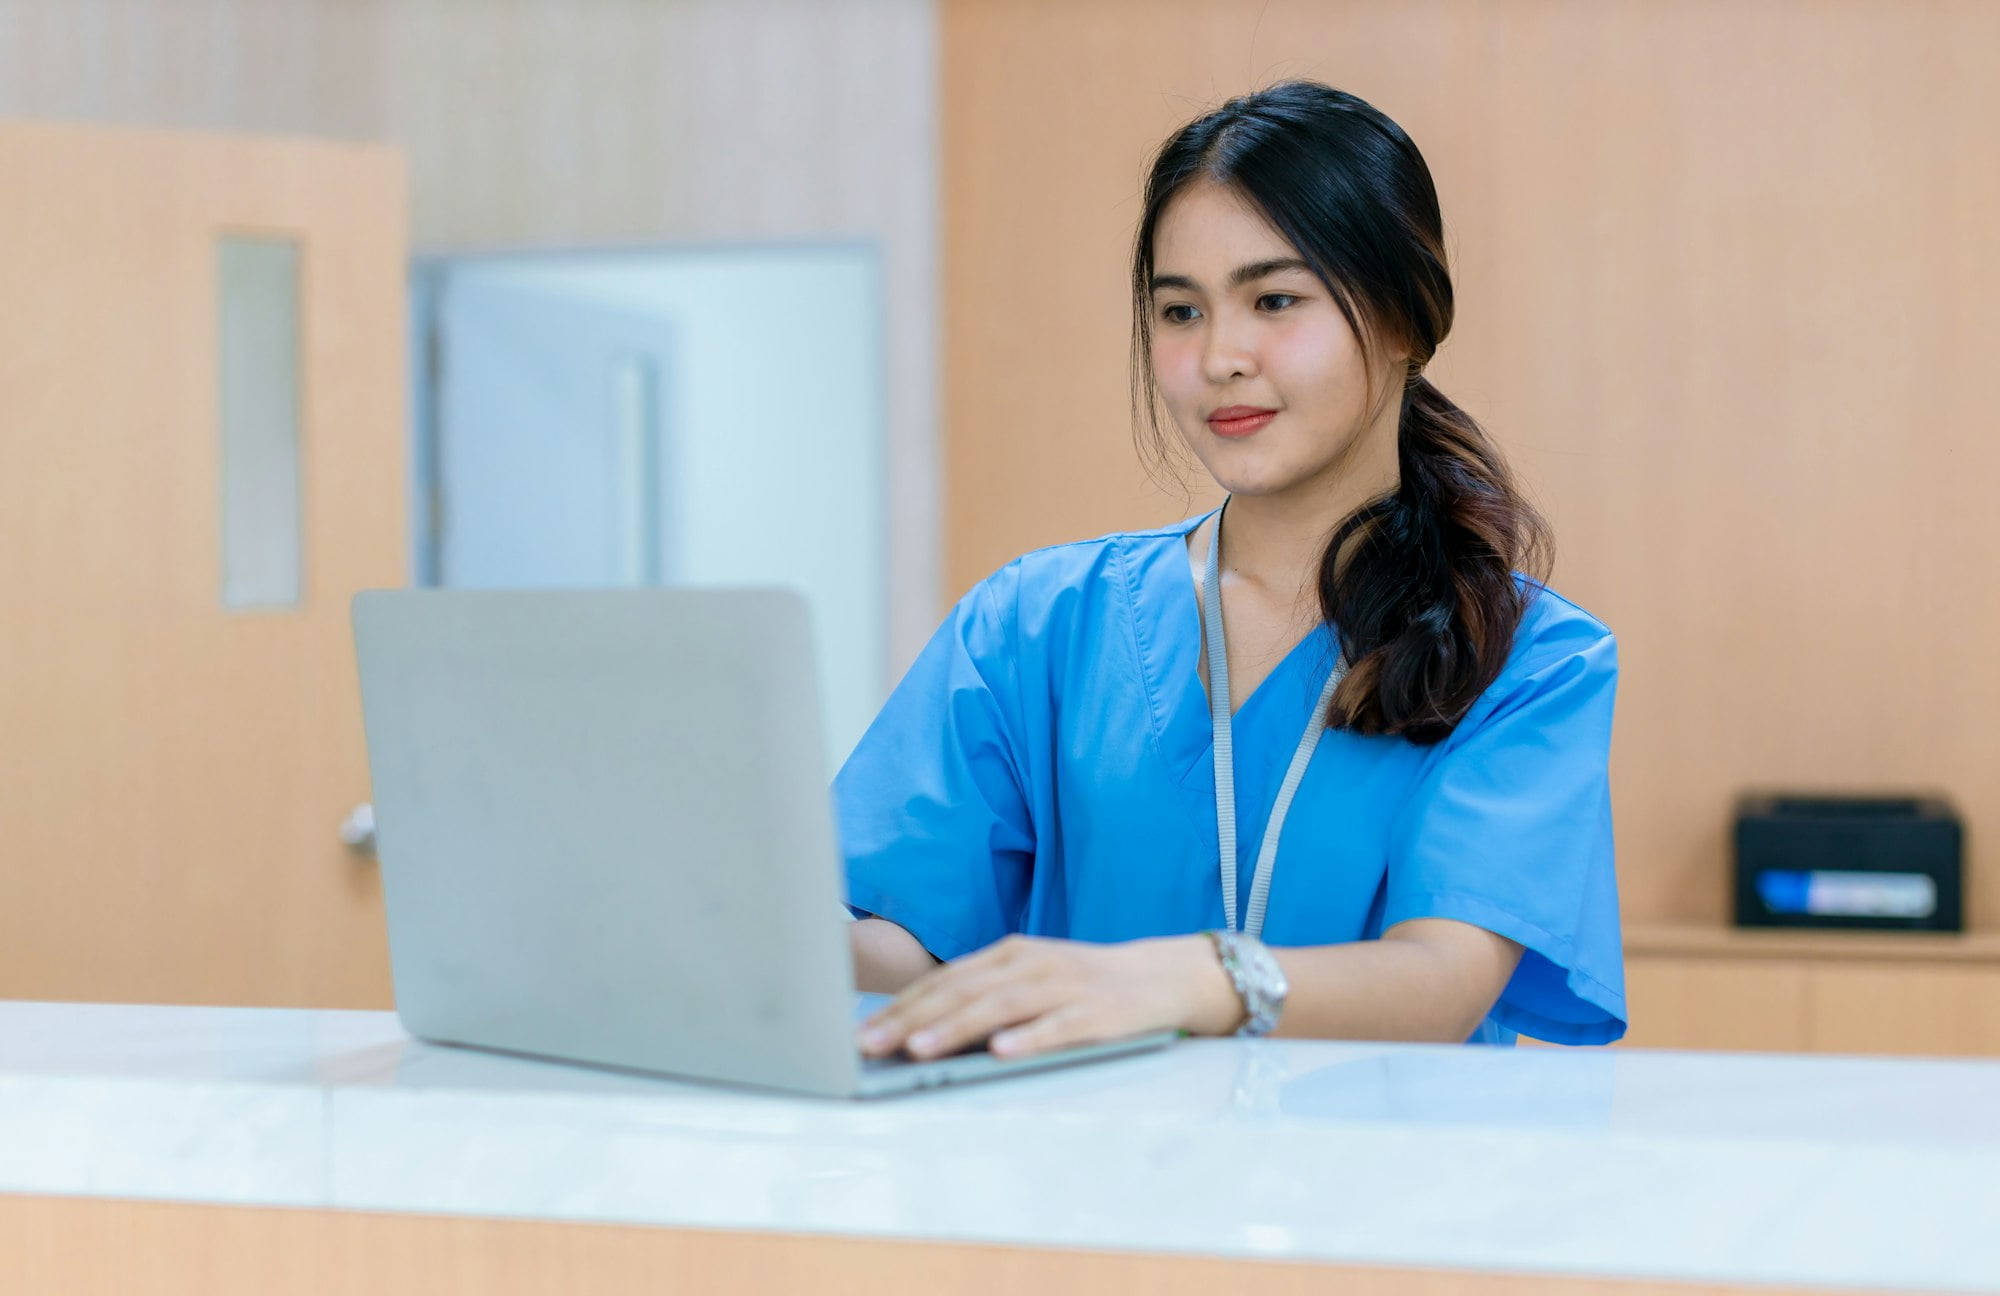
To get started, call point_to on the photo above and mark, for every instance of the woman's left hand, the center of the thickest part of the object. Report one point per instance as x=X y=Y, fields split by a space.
x=1030 y=994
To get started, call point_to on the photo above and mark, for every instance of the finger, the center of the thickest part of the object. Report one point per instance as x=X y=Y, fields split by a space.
x=978 y=961
x=892 y=1014
x=1064 y=1027
x=938 y=995
x=1001 y=1005
x=921 y=1002
x=946 y=996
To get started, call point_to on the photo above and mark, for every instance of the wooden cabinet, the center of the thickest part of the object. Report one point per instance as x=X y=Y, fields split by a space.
x=1820 y=992
x=1743 y=1004
x=1916 y=1008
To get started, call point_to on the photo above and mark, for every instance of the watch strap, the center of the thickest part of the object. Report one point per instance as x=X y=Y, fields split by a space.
x=1260 y=983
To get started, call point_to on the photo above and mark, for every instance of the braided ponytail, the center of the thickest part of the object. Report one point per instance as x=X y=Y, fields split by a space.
x=1428 y=604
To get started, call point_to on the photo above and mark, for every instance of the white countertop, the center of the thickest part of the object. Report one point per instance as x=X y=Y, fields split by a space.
x=1834 y=1171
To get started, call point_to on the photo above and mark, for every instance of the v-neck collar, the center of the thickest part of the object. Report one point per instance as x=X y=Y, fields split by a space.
x=1167 y=614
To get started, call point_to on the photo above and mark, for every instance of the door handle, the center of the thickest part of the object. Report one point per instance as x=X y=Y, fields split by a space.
x=357 y=831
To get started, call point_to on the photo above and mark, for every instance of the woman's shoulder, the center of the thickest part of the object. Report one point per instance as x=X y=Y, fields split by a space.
x=1555 y=629
x=1079 y=566
x=1037 y=605
x=1552 y=612
x=1564 y=663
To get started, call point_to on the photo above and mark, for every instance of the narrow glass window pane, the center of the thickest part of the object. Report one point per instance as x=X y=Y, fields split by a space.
x=259 y=347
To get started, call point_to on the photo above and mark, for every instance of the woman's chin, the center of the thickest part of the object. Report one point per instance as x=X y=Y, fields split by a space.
x=1251 y=479
x=1252 y=466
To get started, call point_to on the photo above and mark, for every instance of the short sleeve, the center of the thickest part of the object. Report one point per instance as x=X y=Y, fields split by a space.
x=934 y=823
x=1510 y=830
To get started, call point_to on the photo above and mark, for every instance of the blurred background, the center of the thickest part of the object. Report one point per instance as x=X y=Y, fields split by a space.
x=310 y=296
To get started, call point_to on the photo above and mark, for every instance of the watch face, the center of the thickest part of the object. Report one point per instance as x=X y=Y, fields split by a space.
x=1267 y=981
x=1259 y=979
x=1264 y=966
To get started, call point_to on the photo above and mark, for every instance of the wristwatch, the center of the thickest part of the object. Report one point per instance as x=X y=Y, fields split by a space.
x=1259 y=981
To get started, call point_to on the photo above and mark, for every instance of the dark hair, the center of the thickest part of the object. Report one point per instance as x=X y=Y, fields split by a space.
x=1426 y=603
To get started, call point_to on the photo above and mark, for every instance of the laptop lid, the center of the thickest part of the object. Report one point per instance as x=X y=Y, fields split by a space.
x=605 y=828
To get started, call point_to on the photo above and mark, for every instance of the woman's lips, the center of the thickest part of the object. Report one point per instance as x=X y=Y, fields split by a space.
x=1241 y=425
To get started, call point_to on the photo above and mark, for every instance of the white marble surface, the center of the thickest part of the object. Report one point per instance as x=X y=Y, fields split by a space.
x=1825 y=1171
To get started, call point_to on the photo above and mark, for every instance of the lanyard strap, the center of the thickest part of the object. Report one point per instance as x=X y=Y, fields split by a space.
x=1225 y=753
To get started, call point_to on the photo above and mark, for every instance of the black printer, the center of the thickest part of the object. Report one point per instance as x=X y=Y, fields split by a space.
x=1842 y=861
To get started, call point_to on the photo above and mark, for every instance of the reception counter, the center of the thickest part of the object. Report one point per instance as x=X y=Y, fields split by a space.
x=333 y=1139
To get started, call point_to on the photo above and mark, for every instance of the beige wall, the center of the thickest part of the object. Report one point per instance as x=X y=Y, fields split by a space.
x=1728 y=291
x=550 y=122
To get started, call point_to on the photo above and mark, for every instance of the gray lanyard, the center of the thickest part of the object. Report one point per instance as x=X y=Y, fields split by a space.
x=1225 y=754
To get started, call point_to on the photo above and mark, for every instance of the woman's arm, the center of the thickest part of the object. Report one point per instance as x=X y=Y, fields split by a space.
x=1428 y=979
x=886 y=957
x=1431 y=979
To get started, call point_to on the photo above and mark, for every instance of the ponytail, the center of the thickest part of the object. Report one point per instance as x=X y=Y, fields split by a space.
x=1426 y=603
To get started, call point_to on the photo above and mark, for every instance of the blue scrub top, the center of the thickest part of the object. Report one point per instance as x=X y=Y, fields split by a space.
x=1046 y=767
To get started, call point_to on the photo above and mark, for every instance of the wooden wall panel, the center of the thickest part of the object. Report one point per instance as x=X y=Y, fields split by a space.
x=1727 y=288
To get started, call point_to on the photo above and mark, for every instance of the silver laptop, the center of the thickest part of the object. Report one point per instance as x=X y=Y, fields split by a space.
x=606 y=836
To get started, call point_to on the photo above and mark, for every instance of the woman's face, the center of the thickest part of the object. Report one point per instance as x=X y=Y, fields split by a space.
x=1273 y=339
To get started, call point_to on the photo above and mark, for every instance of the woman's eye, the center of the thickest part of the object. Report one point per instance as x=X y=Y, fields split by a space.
x=1285 y=297
x=1171 y=318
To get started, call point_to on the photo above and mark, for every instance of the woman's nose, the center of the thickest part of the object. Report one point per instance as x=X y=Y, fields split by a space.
x=1228 y=355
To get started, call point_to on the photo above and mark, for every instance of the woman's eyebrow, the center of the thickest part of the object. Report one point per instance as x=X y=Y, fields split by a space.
x=1241 y=275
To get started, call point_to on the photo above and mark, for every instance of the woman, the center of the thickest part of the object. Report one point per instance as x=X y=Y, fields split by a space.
x=1077 y=793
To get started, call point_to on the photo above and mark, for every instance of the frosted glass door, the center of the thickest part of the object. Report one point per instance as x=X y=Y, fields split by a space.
x=552 y=451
